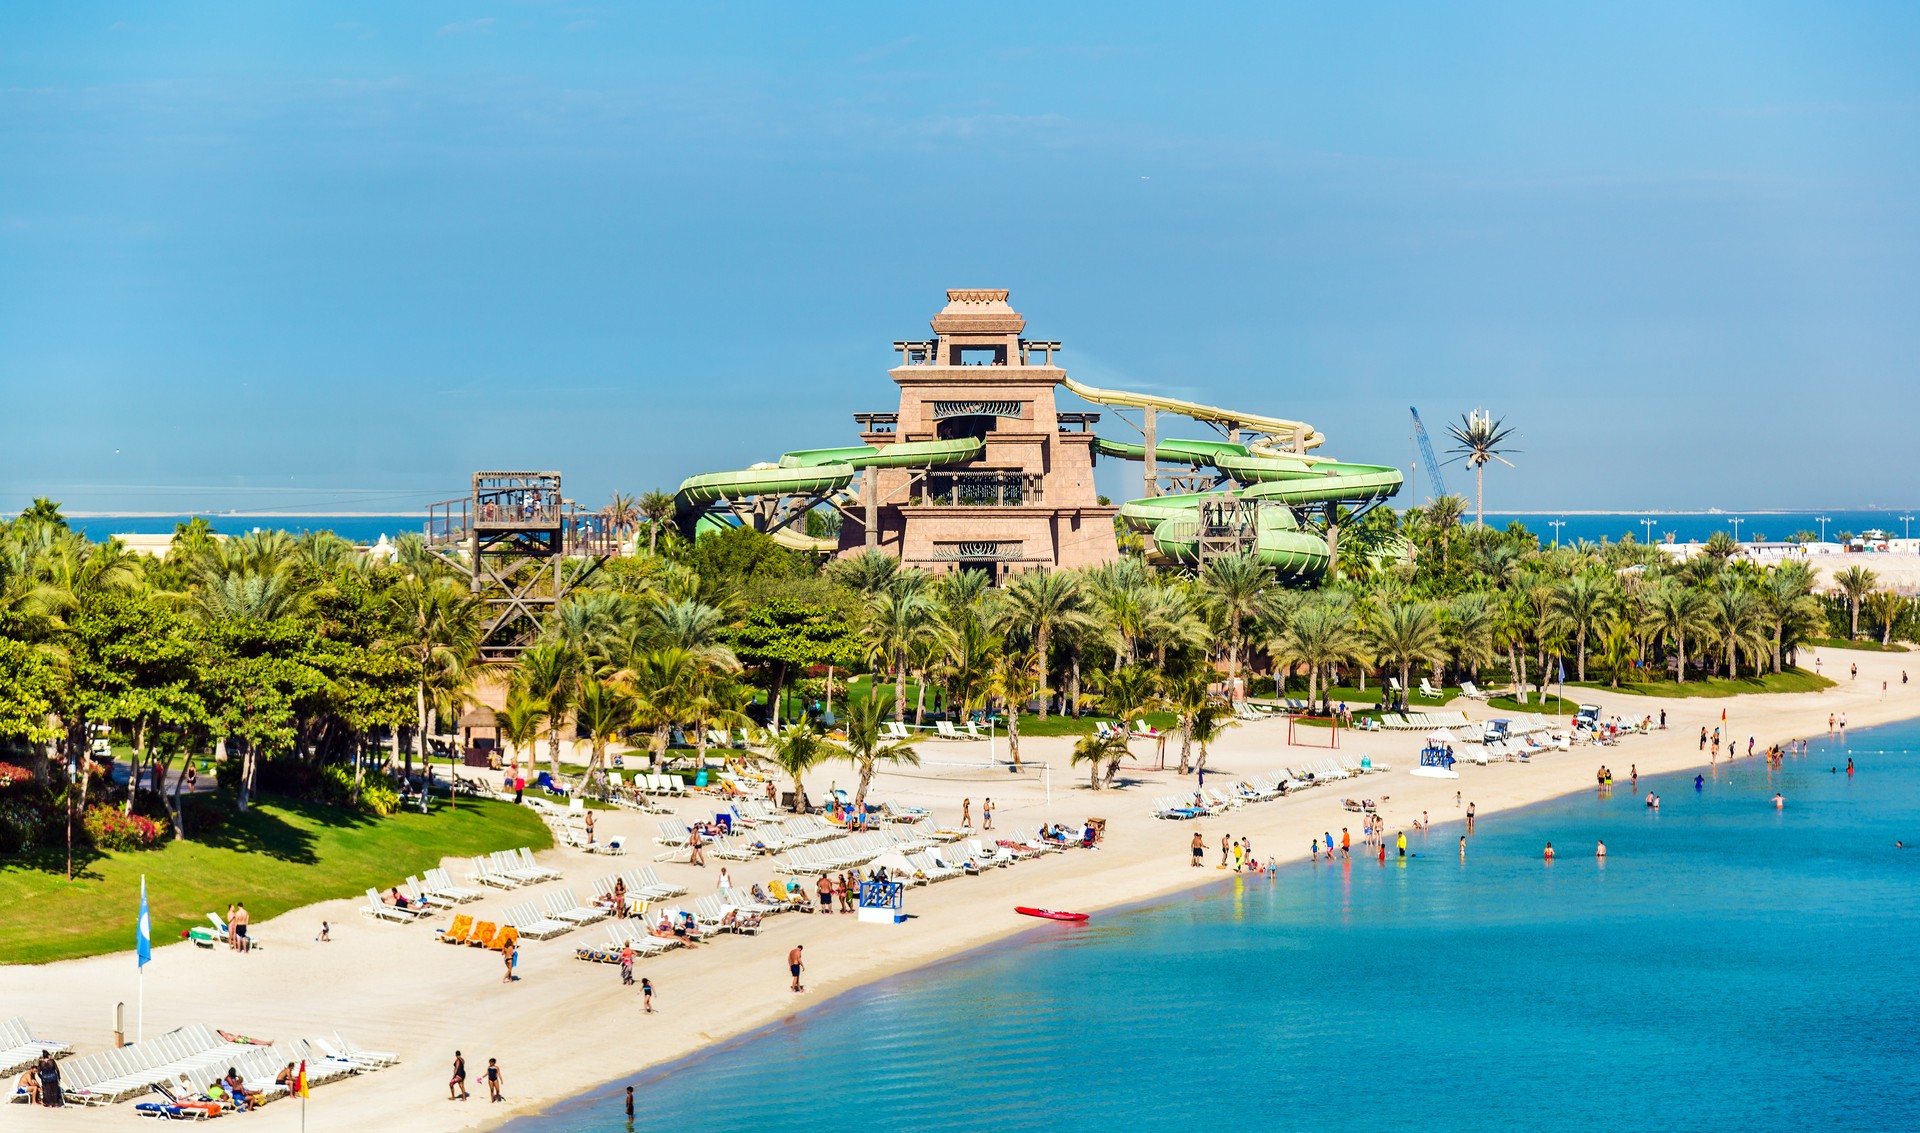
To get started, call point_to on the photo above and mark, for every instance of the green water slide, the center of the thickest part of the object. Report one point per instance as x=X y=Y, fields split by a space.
x=1280 y=541
x=817 y=472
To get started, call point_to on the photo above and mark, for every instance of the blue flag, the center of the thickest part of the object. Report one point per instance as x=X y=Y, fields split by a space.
x=143 y=933
x=1563 y=670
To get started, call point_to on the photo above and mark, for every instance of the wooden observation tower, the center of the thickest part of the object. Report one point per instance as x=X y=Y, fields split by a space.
x=523 y=546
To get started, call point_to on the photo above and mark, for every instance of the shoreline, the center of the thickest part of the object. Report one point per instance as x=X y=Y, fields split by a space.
x=401 y=995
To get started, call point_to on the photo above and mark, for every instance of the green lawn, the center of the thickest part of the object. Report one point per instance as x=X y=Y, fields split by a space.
x=1792 y=680
x=1549 y=705
x=279 y=856
x=1863 y=643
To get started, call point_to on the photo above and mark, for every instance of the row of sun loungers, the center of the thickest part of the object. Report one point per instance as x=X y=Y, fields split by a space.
x=19 y=1049
x=1406 y=721
x=1260 y=788
x=510 y=869
x=197 y=1055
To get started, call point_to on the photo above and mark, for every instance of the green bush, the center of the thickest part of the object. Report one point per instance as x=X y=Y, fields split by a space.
x=334 y=786
x=377 y=796
x=24 y=823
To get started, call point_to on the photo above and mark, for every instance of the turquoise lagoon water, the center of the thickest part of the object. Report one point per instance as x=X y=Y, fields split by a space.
x=1730 y=966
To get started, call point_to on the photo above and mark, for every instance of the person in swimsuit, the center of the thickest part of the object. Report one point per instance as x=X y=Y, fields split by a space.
x=459 y=1079
x=646 y=995
x=986 y=815
x=1779 y=801
x=795 y=963
x=629 y=1106
x=1463 y=847
x=1600 y=851
x=1549 y=851
x=966 y=814
x=495 y=1081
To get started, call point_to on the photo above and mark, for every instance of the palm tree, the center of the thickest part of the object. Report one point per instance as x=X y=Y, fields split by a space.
x=899 y=619
x=1579 y=606
x=657 y=507
x=1675 y=612
x=867 y=746
x=1015 y=680
x=1887 y=609
x=519 y=720
x=1470 y=621
x=550 y=674
x=1479 y=439
x=1318 y=635
x=1443 y=515
x=1128 y=693
x=664 y=684
x=623 y=513
x=437 y=627
x=1792 y=610
x=1232 y=586
x=868 y=573
x=1405 y=634
x=1734 y=615
x=796 y=751
x=1037 y=605
x=1095 y=750
x=1617 y=648
x=1855 y=583
x=604 y=713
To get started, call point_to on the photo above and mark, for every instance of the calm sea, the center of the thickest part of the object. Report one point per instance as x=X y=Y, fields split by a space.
x=1729 y=966
x=1684 y=527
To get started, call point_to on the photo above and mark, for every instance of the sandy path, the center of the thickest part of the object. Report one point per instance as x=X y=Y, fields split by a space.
x=569 y=1025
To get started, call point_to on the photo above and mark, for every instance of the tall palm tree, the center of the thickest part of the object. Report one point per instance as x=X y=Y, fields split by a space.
x=1675 y=612
x=1320 y=634
x=1581 y=605
x=1617 y=648
x=520 y=720
x=1479 y=439
x=1855 y=583
x=797 y=751
x=1443 y=515
x=1037 y=605
x=1887 y=609
x=899 y=619
x=657 y=507
x=1470 y=622
x=604 y=712
x=1232 y=586
x=550 y=672
x=1405 y=634
x=1016 y=681
x=663 y=684
x=867 y=746
x=436 y=625
x=1793 y=613
x=1734 y=614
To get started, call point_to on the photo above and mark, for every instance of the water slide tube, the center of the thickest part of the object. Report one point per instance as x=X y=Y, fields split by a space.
x=808 y=472
x=1290 y=478
x=1273 y=436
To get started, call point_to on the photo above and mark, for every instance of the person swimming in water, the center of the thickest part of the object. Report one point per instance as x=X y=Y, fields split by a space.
x=1600 y=851
x=1549 y=851
x=1779 y=801
x=1699 y=782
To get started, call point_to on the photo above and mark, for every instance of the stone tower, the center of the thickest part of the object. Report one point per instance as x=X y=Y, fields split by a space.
x=1027 y=500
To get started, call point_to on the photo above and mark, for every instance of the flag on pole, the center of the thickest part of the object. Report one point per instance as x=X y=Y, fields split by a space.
x=300 y=1083
x=143 y=932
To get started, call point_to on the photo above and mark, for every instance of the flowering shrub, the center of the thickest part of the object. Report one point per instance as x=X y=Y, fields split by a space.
x=22 y=825
x=109 y=829
x=10 y=774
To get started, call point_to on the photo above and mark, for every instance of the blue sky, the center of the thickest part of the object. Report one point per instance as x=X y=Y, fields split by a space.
x=337 y=257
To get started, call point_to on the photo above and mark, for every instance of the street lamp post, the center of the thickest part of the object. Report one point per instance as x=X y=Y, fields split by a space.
x=1556 y=524
x=1736 y=521
x=1908 y=520
x=1824 y=520
x=1649 y=523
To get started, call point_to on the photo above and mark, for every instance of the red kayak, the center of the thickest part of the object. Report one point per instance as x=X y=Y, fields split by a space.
x=1049 y=914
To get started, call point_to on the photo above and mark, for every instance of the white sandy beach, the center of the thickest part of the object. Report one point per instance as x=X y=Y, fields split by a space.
x=568 y=1026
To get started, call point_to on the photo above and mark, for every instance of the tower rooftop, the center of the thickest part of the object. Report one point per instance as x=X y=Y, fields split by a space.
x=978 y=310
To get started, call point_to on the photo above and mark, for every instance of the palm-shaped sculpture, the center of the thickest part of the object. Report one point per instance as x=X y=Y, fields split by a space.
x=1480 y=438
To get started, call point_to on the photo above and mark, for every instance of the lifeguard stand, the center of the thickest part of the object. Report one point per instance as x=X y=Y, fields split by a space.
x=513 y=538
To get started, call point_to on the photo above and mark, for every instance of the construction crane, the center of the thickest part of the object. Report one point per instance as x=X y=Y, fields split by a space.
x=1434 y=481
